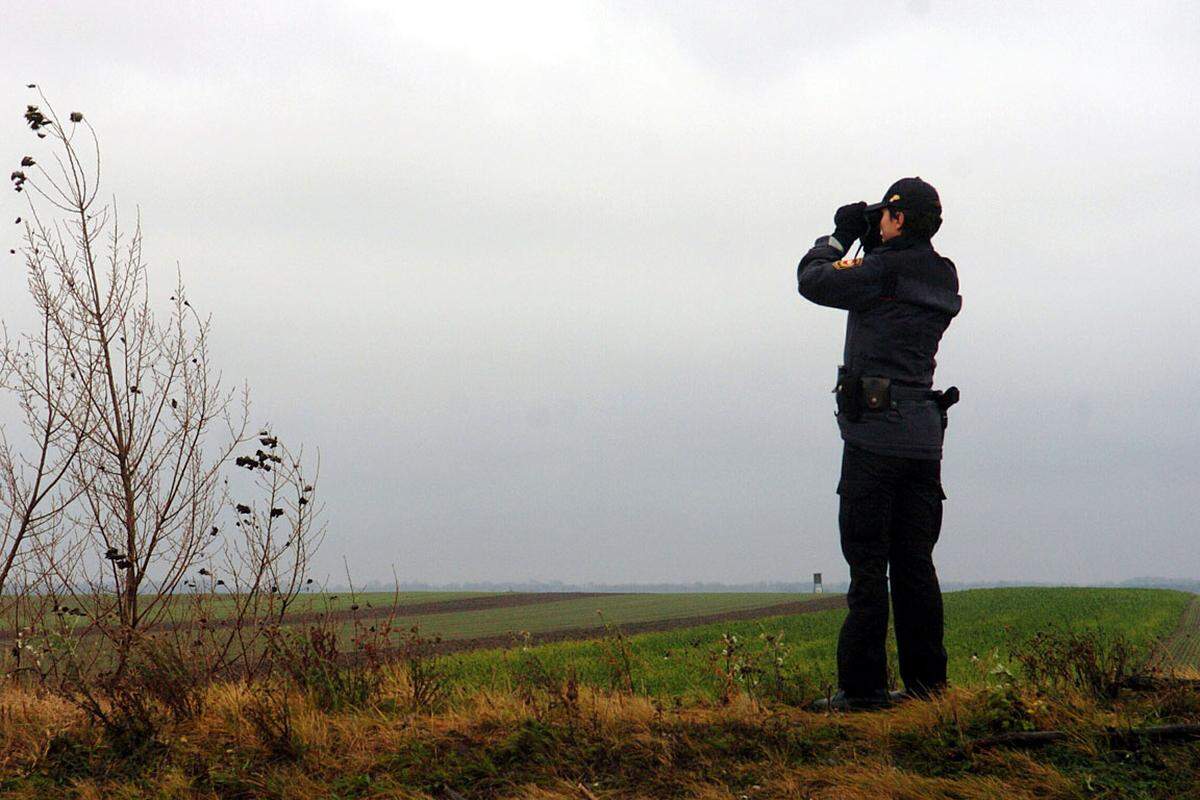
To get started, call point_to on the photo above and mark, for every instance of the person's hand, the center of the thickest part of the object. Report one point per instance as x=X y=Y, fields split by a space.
x=850 y=223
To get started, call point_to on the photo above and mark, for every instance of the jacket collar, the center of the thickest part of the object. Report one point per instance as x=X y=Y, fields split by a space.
x=904 y=243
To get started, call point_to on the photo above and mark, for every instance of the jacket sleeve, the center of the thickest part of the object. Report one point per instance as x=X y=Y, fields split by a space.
x=828 y=281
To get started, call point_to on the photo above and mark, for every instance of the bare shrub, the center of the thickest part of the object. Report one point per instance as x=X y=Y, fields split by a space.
x=312 y=659
x=760 y=668
x=424 y=671
x=736 y=668
x=778 y=680
x=159 y=684
x=1090 y=661
x=544 y=690
x=342 y=666
x=1002 y=705
x=272 y=719
x=617 y=656
x=175 y=532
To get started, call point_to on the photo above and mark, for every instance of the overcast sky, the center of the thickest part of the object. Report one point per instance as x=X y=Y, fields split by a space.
x=525 y=272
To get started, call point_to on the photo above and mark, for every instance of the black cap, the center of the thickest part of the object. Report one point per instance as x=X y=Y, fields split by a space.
x=910 y=194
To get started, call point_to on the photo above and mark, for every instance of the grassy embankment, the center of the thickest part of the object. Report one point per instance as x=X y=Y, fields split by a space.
x=505 y=731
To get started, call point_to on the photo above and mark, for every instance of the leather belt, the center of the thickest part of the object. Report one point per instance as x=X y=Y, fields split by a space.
x=913 y=393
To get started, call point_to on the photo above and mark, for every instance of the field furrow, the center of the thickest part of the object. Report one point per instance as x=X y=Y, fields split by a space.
x=1181 y=650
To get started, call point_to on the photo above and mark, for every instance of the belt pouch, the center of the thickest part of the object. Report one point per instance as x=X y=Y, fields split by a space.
x=877 y=393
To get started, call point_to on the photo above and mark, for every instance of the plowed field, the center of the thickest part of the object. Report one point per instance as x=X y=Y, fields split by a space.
x=1181 y=651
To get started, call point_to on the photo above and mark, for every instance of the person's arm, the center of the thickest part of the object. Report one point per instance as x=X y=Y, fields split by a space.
x=826 y=277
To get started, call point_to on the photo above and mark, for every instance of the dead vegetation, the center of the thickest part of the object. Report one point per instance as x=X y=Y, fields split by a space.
x=400 y=729
x=554 y=738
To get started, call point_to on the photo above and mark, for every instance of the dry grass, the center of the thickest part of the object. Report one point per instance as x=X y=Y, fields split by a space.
x=490 y=744
x=29 y=721
x=870 y=782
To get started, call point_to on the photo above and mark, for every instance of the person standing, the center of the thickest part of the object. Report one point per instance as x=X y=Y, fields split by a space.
x=901 y=296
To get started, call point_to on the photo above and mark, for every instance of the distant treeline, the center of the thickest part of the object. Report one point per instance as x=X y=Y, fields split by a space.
x=1182 y=584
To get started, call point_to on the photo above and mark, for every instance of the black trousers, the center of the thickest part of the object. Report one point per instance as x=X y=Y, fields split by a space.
x=890 y=517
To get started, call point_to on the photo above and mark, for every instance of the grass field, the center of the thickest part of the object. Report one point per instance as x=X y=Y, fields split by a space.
x=315 y=602
x=591 y=611
x=470 y=615
x=978 y=622
x=342 y=601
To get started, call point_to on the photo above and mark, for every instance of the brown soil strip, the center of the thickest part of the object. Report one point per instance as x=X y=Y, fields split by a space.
x=594 y=632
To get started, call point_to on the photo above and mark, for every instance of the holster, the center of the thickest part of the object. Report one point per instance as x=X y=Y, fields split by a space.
x=848 y=393
x=944 y=400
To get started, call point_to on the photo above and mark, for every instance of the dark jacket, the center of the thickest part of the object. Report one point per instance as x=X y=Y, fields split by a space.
x=901 y=298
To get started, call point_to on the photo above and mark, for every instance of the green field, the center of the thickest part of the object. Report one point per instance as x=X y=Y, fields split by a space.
x=343 y=601
x=621 y=609
x=220 y=607
x=546 y=614
x=978 y=622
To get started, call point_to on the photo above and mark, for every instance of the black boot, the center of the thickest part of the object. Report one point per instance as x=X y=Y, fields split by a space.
x=844 y=702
